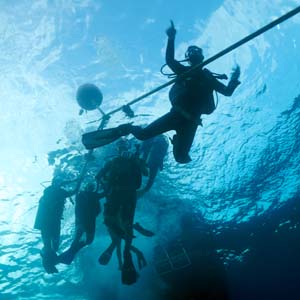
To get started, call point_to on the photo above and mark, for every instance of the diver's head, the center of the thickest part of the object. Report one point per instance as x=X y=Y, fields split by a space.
x=90 y=187
x=123 y=146
x=57 y=181
x=194 y=55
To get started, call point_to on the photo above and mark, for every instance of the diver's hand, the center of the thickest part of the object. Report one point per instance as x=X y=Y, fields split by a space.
x=236 y=73
x=171 y=31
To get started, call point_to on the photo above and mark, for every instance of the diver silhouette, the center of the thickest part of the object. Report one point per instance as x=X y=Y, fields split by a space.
x=87 y=208
x=153 y=153
x=120 y=179
x=48 y=221
x=190 y=96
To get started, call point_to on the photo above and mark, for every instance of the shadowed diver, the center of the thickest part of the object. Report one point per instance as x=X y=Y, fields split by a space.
x=48 y=221
x=153 y=152
x=87 y=208
x=120 y=179
x=190 y=98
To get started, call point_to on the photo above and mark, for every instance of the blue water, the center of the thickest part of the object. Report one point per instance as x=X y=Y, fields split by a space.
x=230 y=217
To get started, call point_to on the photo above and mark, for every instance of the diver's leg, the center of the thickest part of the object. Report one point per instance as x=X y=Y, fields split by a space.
x=49 y=257
x=129 y=273
x=150 y=182
x=56 y=236
x=100 y=138
x=119 y=254
x=116 y=237
x=113 y=225
x=78 y=234
x=90 y=231
x=115 y=232
x=127 y=216
x=163 y=124
x=68 y=256
x=183 y=140
x=145 y=148
x=46 y=238
x=77 y=243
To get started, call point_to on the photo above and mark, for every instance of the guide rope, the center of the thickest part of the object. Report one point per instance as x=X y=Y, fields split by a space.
x=241 y=42
x=105 y=116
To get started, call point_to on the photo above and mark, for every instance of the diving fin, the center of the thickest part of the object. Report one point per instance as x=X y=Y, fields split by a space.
x=68 y=256
x=104 y=137
x=99 y=138
x=49 y=260
x=142 y=230
x=129 y=273
x=141 y=260
x=105 y=257
x=48 y=266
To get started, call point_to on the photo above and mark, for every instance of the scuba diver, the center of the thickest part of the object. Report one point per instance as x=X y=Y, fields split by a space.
x=153 y=152
x=120 y=179
x=48 y=221
x=87 y=208
x=190 y=96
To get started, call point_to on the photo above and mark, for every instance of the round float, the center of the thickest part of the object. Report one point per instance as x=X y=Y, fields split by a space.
x=89 y=96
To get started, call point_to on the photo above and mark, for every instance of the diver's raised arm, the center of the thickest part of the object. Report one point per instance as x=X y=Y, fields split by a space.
x=172 y=63
x=171 y=31
x=232 y=85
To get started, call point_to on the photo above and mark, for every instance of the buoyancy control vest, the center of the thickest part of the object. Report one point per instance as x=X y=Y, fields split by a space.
x=124 y=172
x=194 y=94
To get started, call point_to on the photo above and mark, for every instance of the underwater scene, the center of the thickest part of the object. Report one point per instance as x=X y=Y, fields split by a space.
x=150 y=150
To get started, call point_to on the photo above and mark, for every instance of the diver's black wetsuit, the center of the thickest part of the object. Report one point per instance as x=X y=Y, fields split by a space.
x=153 y=152
x=190 y=98
x=186 y=108
x=121 y=178
x=87 y=208
x=48 y=221
x=49 y=215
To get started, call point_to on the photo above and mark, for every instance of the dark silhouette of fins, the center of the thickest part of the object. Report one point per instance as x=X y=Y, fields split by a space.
x=99 y=138
x=49 y=260
x=104 y=137
x=142 y=230
x=129 y=273
x=68 y=256
x=49 y=267
x=104 y=258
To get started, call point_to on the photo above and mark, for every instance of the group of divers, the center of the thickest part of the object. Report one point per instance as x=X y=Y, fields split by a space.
x=120 y=180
